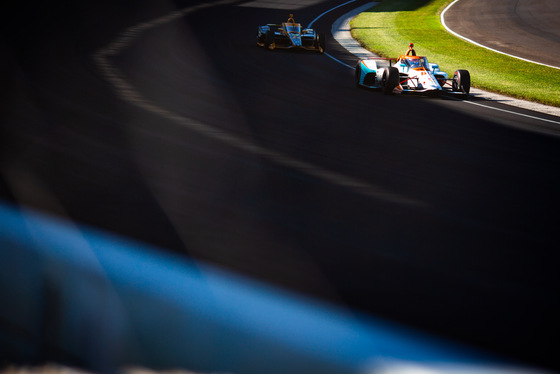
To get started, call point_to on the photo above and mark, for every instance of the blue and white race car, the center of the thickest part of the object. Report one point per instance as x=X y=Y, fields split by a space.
x=408 y=74
x=290 y=35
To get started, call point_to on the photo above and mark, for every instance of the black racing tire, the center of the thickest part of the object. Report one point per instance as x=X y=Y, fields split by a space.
x=260 y=38
x=461 y=82
x=357 y=74
x=321 y=43
x=269 y=39
x=390 y=80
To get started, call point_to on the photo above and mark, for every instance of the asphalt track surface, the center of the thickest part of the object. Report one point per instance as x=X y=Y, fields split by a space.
x=528 y=29
x=436 y=213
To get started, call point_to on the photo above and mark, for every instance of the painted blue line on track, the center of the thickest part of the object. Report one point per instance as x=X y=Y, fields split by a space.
x=328 y=11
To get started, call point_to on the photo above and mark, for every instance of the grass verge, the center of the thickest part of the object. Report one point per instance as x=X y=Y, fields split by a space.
x=388 y=28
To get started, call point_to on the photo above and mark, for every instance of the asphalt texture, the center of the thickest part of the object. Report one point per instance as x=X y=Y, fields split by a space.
x=436 y=213
x=528 y=29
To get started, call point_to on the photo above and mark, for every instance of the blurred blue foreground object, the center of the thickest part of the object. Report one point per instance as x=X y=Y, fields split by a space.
x=78 y=296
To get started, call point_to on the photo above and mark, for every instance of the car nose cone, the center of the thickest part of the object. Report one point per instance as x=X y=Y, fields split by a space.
x=296 y=39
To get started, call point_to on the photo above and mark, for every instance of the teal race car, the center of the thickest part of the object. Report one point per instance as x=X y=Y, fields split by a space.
x=409 y=74
x=290 y=34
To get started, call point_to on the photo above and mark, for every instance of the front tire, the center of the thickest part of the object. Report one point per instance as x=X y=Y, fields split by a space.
x=390 y=80
x=461 y=82
x=269 y=40
x=260 y=38
x=320 y=43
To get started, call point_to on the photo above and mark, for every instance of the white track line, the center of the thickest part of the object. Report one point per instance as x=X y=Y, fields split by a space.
x=129 y=93
x=511 y=112
x=442 y=19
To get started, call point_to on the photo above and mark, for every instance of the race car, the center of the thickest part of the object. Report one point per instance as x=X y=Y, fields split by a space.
x=409 y=73
x=290 y=34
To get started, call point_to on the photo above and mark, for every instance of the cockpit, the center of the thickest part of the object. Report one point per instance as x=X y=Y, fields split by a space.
x=294 y=27
x=416 y=62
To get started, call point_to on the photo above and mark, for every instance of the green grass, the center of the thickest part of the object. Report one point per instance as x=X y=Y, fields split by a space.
x=389 y=27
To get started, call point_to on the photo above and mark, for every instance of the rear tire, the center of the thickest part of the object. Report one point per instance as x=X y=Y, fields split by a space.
x=390 y=80
x=461 y=82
